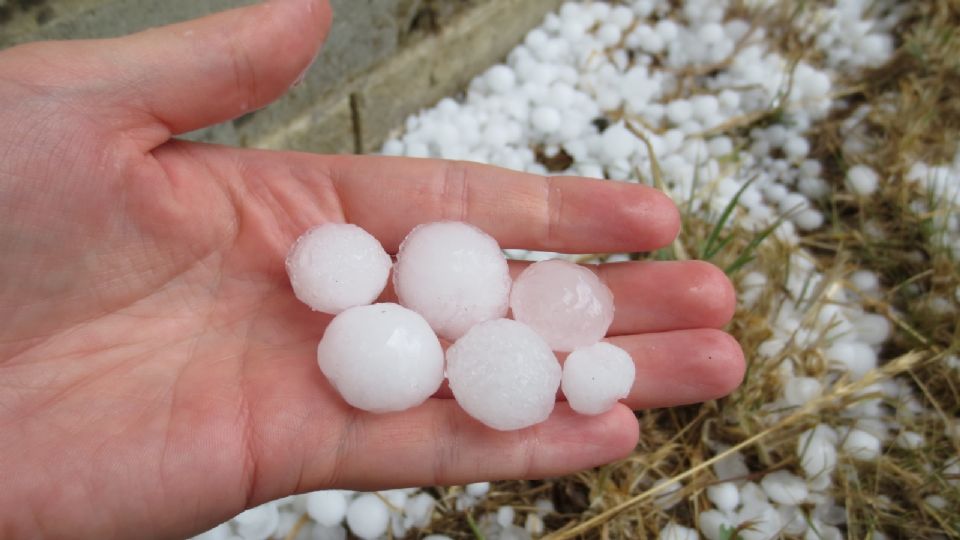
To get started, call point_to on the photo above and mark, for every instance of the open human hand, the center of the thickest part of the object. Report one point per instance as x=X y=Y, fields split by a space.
x=157 y=374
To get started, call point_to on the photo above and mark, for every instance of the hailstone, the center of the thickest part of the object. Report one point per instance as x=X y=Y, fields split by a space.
x=381 y=357
x=565 y=303
x=327 y=507
x=503 y=374
x=368 y=516
x=454 y=275
x=595 y=377
x=337 y=266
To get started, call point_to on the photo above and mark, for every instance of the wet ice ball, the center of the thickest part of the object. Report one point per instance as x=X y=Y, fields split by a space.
x=596 y=377
x=564 y=302
x=337 y=266
x=454 y=275
x=381 y=357
x=503 y=374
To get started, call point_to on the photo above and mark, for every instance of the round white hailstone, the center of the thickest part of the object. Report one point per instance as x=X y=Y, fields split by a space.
x=220 y=532
x=865 y=281
x=419 y=509
x=327 y=507
x=500 y=78
x=596 y=377
x=505 y=515
x=725 y=496
x=872 y=329
x=337 y=266
x=732 y=467
x=764 y=522
x=507 y=360
x=794 y=202
x=478 y=489
x=796 y=147
x=565 y=303
x=609 y=35
x=799 y=391
x=861 y=445
x=368 y=516
x=909 y=440
x=676 y=532
x=852 y=356
x=392 y=147
x=713 y=524
x=381 y=358
x=618 y=143
x=454 y=275
x=667 y=29
x=546 y=119
x=720 y=146
x=862 y=180
x=784 y=487
x=679 y=111
x=258 y=523
x=705 y=107
x=813 y=187
x=809 y=219
x=437 y=537
x=669 y=496
x=729 y=100
x=417 y=149
x=817 y=450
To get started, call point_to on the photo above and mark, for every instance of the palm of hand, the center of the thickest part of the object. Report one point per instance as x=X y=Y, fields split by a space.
x=156 y=368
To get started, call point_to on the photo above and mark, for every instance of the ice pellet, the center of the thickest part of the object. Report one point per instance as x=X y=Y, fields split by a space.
x=337 y=266
x=327 y=507
x=368 y=516
x=595 y=377
x=565 y=303
x=503 y=374
x=454 y=275
x=381 y=357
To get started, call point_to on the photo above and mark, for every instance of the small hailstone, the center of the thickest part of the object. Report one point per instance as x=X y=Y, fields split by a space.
x=862 y=180
x=725 y=496
x=418 y=510
x=679 y=111
x=865 y=281
x=258 y=523
x=220 y=532
x=327 y=507
x=909 y=440
x=861 y=445
x=337 y=266
x=381 y=358
x=852 y=356
x=609 y=35
x=872 y=329
x=784 y=487
x=676 y=532
x=532 y=524
x=669 y=496
x=935 y=501
x=500 y=78
x=809 y=219
x=796 y=147
x=505 y=515
x=733 y=466
x=618 y=142
x=503 y=374
x=546 y=119
x=454 y=275
x=798 y=391
x=478 y=489
x=565 y=303
x=437 y=537
x=596 y=377
x=713 y=524
x=817 y=450
x=368 y=516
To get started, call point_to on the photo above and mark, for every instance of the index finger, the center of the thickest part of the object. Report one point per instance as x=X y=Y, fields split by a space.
x=388 y=196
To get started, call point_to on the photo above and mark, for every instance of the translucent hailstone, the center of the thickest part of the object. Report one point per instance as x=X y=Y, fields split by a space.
x=862 y=180
x=381 y=358
x=337 y=266
x=677 y=532
x=368 y=516
x=725 y=496
x=784 y=487
x=503 y=374
x=596 y=377
x=327 y=507
x=565 y=303
x=454 y=275
x=861 y=445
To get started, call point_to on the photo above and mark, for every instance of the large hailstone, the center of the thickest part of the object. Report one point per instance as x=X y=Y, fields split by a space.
x=337 y=266
x=503 y=374
x=454 y=275
x=596 y=377
x=381 y=358
x=565 y=303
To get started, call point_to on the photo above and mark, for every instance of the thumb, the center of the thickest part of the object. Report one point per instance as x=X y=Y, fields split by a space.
x=194 y=74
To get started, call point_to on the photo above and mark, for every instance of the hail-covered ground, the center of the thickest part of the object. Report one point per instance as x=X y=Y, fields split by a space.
x=788 y=135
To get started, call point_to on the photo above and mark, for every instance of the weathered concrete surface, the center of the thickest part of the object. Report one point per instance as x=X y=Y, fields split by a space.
x=383 y=59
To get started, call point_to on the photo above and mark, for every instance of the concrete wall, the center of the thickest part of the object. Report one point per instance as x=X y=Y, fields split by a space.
x=383 y=60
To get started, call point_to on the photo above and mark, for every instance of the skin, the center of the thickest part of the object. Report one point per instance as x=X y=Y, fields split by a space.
x=157 y=375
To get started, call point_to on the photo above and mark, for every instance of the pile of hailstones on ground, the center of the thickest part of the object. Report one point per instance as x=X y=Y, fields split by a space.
x=578 y=91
